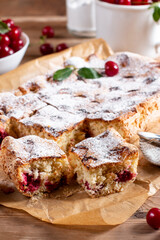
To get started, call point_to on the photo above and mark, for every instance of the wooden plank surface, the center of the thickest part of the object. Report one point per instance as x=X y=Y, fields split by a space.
x=19 y=225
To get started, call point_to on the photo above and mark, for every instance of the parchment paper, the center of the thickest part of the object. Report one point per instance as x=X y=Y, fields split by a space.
x=70 y=205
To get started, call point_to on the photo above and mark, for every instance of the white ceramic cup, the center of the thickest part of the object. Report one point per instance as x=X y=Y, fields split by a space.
x=81 y=17
x=12 y=61
x=128 y=28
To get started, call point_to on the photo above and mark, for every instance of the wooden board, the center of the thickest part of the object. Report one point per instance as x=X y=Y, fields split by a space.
x=19 y=225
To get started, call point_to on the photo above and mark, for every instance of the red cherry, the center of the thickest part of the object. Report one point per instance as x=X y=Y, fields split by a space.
x=136 y=2
x=3 y=134
x=5 y=51
x=4 y=39
x=11 y=51
x=108 y=1
x=46 y=48
x=61 y=47
x=111 y=68
x=15 y=33
x=9 y=22
x=153 y=218
x=146 y=2
x=17 y=45
x=48 y=32
x=125 y=2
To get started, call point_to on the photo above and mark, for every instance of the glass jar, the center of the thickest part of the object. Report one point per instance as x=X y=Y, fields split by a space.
x=81 y=17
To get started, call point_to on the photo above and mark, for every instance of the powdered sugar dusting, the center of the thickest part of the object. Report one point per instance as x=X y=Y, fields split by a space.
x=105 y=148
x=53 y=121
x=137 y=81
x=32 y=147
x=74 y=99
x=19 y=106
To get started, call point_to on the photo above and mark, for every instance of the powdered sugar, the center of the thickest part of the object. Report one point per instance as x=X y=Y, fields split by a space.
x=74 y=99
x=105 y=148
x=19 y=106
x=32 y=147
x=53 y=121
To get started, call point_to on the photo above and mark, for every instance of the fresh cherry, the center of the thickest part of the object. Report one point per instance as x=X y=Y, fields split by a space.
x=111 y=68
x=3 y=134
x=109 y=1
x=46 y=48
x=17 y=45
x=9 y=22
x=48 y=32
x=124 y=2
x=15 y=33
x=61 y=47
x=136 y=2
x=4 y=39
x=146 y=2
x=5 y=51
x=153 y=218
x=11 y=51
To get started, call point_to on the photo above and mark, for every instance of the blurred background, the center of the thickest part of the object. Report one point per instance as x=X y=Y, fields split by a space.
x=33 y=15
x=32 y=7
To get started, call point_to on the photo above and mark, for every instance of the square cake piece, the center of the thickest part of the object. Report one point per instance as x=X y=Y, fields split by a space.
x=104 y=164
x=18 y=107
x=35 y=165
x=64 y=127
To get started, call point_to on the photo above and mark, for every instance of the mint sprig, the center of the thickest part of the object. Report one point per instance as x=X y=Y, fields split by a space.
x=156 y=11
x=4 y=28
x=62 y=74
x=87 y=73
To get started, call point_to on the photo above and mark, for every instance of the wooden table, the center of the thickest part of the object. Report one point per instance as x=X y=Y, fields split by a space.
x=19 y=225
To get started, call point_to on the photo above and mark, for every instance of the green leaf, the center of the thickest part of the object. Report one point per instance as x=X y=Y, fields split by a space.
x=88 y=73
x=0 y=38
x=156 y=11
x=62 y=74
x=4 y=28
x=156 y=15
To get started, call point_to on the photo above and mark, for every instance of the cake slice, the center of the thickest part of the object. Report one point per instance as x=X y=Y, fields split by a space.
x=64 y=127
x=104 y=164
x=18 y=107
x=35 y=165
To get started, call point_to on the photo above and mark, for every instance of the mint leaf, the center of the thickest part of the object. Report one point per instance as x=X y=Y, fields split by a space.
x=156 y=14
x=4 y=28
x=156 y=11
x=62 y=74
x=88 y=73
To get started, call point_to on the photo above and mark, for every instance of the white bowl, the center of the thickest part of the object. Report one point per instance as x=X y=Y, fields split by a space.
x=12 y=61
x=128 y=28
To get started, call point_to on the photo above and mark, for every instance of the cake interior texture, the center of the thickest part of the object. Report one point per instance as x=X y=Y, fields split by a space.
x=34 y=164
